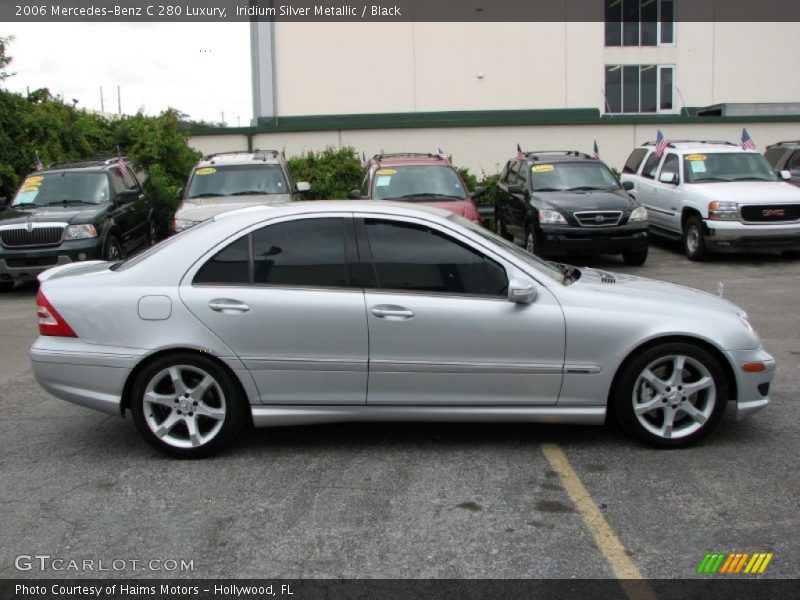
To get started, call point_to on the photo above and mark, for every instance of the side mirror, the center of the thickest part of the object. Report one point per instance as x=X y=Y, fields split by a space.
x=127 y=196
x=668 y=178
x=478 y=191
x=521 y=291
x=515 y=189
x=354 y=195
x=627 y=185
x=179 y=194
x=785 y=175
x=303 y=186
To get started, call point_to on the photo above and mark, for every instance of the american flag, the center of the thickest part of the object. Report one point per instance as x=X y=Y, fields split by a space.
x=747 y=143
x=363 y=160
x=661 y=143
x=121 y=163
x=596 y=152
x=37 y=161
x=520 y=153
x=440 y=152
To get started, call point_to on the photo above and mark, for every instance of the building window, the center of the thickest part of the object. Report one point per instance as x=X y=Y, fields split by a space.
x=640 y=22
x=639 y=88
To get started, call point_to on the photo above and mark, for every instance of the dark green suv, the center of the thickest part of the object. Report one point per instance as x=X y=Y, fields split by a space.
x=86 y=210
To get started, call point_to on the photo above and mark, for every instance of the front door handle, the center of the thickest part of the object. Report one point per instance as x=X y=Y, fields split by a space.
x=226 y=305
x=392 y=312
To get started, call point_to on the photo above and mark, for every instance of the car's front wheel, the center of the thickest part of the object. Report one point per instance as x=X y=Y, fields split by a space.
x=531 y=243
x=499 y=228
x=6 y=286
x=694 y=240
x=187 y=406
x=635 y=258
x=112 y=251
x=672 y=395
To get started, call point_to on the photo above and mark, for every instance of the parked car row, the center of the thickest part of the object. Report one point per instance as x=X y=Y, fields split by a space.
x=712 y=196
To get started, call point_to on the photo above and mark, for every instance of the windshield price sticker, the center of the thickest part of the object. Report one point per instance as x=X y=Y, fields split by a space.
x=697 y=166
x=542 y=168
x=383 y=180
x=696 y=157
x=205 y=171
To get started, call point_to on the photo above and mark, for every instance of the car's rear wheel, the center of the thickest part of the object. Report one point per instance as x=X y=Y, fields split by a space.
x=672 y=395
x=112 y=251
x=635 y=258
x=187 y=406
x=694 y=240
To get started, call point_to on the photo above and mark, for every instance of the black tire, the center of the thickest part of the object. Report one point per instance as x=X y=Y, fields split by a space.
x=694 y=239
x=650 y=425
x=223 y=399
x=792 y=253
x=112 y=249
x=6 y=286
x=532 y=244
x=152 y=233
x=500 y=228
x=635 y=258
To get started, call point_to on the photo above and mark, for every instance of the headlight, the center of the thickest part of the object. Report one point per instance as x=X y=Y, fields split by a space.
x=723 y=211
x=750 y=328
x=181 y=224
x=551 y=216
x=639 y=214
x=80 y=232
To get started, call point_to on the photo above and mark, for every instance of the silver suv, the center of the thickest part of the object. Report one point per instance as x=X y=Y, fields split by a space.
x=715 y=197
x=230 y=180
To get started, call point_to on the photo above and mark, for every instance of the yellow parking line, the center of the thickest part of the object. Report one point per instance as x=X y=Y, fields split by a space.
x=605 y=538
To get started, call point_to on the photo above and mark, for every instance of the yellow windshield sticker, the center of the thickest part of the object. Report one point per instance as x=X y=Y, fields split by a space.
x=385 y=172
x=542 y=168
x=28 y=189
x=696 y=157
x=205 y=171
x=35 y=180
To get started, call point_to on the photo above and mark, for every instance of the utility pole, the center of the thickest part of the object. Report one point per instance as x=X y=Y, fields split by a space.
x=222 y=115
x=119 y=102
x=102 y=104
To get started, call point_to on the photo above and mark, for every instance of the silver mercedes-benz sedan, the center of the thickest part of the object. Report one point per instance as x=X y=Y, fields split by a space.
x=348 y=311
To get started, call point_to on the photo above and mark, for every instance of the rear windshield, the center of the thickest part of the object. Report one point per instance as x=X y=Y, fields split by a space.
x=418 y=183
x=572 y=176
x=77 y=187
x=237 y=180
x=726 y=166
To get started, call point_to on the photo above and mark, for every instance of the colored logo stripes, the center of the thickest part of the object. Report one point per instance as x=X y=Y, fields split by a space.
x=734 y=563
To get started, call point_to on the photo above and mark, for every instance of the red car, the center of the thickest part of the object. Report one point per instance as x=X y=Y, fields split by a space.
x=428 y=179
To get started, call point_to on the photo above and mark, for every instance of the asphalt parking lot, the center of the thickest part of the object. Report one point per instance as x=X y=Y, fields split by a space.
x=411 y=500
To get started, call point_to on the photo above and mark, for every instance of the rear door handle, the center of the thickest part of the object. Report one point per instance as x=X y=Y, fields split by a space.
x=226 y=305
x=392 y=312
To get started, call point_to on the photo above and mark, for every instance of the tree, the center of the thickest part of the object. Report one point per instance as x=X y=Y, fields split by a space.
x=5 y=60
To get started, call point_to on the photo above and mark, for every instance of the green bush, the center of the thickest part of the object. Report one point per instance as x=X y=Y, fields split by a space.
x=332 y=173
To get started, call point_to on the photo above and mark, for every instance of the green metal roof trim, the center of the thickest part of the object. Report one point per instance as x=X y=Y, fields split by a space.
x=489 y=118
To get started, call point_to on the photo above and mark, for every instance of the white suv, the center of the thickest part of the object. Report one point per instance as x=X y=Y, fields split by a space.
x=715 y=196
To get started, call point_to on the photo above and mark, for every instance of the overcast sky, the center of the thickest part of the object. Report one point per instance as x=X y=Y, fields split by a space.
x=201 y=69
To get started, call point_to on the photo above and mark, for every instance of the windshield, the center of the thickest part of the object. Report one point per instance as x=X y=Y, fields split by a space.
x=67 y=187
x=530 y=259
x=727 y=166
x=237 y=180
x=571 y=176
x=418 y=183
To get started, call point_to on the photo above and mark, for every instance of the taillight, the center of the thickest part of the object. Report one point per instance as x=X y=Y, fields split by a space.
x=50 y=322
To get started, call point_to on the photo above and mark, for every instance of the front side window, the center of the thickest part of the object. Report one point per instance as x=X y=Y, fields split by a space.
x=774 y=156
x=639 y=22
x=65 y=187
x=639 y=88
x=727 y=166
x=651 y=166
x=411 y=257
x=305 y=253
x=793 y=164
x=672 y=165
x=418 y=183
x=236 y=180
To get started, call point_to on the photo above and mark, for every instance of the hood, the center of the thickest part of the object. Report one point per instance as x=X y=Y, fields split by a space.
x=748 y=192
x=464 y=208
x=636 y=289
x=206 y=208
x=42 y=214
x=586 y=200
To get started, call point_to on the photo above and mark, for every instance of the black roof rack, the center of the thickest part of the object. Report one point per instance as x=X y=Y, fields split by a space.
x=86 y=162
x=406 y=155
x=671 y=143
x=534 y=154
x=787 y=143
x=257 y=154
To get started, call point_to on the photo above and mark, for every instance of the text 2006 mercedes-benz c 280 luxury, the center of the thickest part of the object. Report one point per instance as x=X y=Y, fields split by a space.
x=364 y=311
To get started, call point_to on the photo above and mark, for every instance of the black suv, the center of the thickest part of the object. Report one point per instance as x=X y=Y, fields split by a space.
x=785 y=156
x=565 y=202
x=82 y=210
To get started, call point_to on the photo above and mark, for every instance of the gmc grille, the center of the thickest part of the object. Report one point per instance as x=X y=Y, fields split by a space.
x=20 y=237
x=598 y=218
x=771 y=213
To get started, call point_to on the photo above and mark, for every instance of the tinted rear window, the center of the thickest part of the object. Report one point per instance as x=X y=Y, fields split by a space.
x=634 y=160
